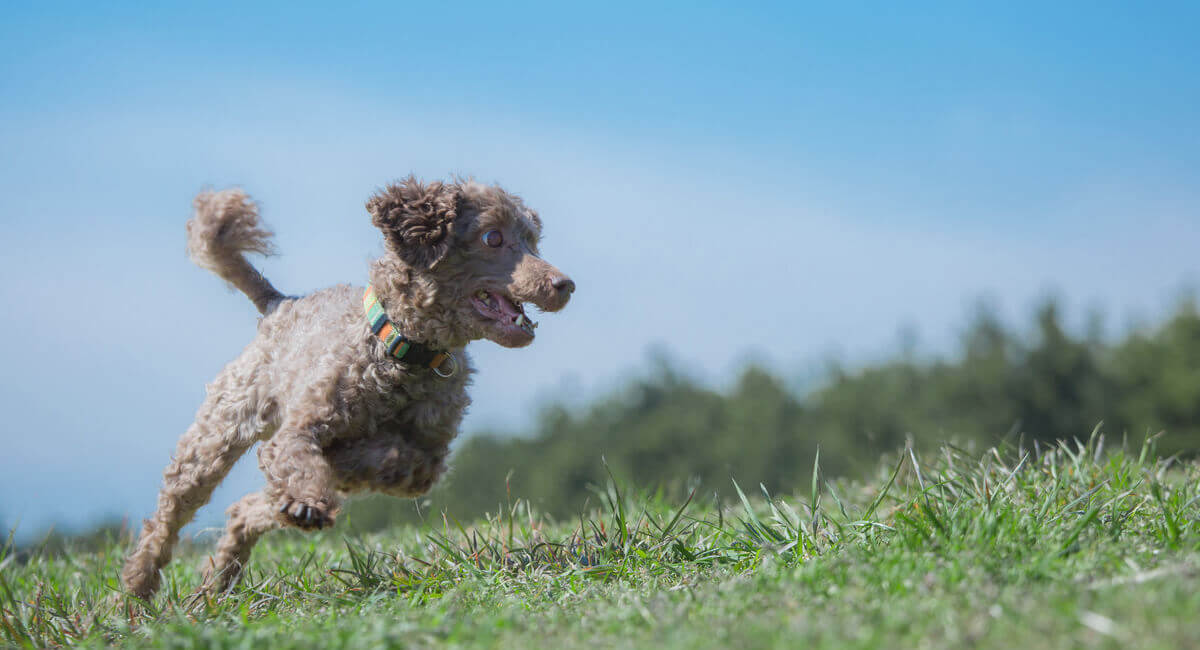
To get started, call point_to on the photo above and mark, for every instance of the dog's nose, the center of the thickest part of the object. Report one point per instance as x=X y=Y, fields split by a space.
x=563 y=284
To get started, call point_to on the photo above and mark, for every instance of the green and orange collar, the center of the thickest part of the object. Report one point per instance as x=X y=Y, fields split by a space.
x=442 y=363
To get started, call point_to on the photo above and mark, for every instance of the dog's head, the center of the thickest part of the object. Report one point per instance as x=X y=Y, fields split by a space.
x=469 y=254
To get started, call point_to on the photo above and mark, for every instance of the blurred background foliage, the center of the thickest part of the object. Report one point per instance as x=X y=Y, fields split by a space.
x=668 y=431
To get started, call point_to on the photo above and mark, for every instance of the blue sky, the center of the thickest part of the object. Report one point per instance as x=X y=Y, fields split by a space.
x=781 y=183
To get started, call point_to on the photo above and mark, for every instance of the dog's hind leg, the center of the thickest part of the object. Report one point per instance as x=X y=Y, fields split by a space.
x=249 y=519
x=203 y=457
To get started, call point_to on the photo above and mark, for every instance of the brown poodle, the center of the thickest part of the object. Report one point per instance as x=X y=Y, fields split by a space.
x=349 y=391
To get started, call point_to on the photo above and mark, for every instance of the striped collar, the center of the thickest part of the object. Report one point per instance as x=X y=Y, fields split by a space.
x=442 y=363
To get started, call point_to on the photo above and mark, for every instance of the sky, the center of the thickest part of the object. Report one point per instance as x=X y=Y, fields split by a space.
x=726 y=183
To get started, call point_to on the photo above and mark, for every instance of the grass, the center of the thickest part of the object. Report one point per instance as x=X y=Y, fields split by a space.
x=1070 y=546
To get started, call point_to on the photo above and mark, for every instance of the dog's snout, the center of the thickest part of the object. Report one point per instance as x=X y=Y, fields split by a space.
x=563 y=284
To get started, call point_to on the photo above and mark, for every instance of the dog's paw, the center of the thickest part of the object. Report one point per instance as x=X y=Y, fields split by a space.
x=306 y=514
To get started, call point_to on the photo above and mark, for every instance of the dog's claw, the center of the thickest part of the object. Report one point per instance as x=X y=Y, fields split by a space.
x=305 y=516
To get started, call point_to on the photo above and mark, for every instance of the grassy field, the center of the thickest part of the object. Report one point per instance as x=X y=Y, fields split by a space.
x=1072 y=546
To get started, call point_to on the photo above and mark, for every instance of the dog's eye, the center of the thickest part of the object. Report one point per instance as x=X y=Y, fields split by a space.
x=493 y=238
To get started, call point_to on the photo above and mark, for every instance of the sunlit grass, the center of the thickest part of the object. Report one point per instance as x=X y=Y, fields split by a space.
x=1073 y=545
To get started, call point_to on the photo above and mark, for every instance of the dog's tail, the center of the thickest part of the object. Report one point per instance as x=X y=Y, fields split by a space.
x=225 y=228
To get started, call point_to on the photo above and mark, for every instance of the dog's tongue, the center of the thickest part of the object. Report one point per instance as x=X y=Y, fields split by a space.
x=507 y=308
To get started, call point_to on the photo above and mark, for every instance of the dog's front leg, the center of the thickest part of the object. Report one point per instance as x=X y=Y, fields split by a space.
x=300 y=481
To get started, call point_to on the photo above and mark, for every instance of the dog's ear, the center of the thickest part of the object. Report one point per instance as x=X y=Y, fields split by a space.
x=417 y=220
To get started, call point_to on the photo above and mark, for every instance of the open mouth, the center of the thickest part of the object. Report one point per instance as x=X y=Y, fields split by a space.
x=510 y=314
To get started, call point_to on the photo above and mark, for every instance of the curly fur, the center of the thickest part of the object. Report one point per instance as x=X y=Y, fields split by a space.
x=226 y=227
x=333 y=412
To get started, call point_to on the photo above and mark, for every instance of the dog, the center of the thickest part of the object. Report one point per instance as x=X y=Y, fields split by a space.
x=348 y=390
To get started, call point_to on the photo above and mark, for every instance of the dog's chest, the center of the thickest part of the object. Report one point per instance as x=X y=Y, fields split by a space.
x=415 y=403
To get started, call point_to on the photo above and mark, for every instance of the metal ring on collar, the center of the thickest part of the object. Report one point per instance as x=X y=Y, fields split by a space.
x=453 y=367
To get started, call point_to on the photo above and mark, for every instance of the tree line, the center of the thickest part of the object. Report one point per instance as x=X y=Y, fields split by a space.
x=669 y=431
